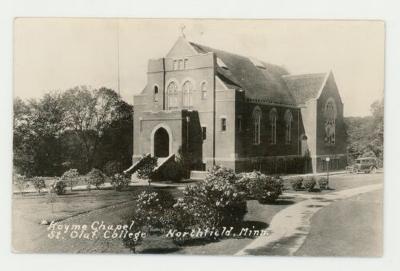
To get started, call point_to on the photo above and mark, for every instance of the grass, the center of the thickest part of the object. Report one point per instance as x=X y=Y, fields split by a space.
x=115 y=207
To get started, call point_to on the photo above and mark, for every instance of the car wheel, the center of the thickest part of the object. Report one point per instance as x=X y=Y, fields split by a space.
x=373 y=170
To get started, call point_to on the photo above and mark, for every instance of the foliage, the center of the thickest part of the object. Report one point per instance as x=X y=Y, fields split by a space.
x=172 y=171
x=153 y=214
x=37 y=129
x=80 y=128
x=215 y=202
x=112 y=167
x=366 y=134
x=266 y=189
x=71 y=177
x=309 y=183
x=95 y=177
x=147 y=166
x=38 y=183
x=296 y=183
x=323 y=183
x=60 y=187
x=119 y=181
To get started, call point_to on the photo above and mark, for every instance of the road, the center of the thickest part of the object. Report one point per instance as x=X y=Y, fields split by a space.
x=345 y=222
x=348 y=227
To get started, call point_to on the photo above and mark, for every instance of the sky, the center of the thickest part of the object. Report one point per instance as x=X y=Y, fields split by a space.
x=60 y=53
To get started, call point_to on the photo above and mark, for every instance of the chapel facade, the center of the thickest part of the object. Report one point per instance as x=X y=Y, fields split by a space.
x=238 y=112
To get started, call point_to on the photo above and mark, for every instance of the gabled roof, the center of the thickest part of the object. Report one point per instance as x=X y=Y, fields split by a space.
x=264 y=83
x=305 y=86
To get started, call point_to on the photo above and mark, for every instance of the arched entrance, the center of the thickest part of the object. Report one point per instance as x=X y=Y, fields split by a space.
x=161 y=143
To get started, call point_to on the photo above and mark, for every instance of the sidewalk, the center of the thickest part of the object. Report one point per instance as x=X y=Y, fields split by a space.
x=289 y=228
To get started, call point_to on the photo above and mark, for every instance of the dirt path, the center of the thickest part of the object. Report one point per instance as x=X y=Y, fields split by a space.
x=290 y=227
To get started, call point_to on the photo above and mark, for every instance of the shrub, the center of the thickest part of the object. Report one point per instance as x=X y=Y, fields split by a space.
x=323 y=183
x=296 y=183
x=146 y=170
x=95 y=177
x=112 y=167
x=59 y=187
x=215 y=202
x=309 y=183
x=151 y=209
x=244 y=182
x=38 y=183
x=172 y=171
x=119 y=181
x=70 y=177
x=262 y=187
x=267 y=189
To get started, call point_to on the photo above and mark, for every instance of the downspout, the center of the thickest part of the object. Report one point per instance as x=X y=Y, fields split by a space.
x=163 y=62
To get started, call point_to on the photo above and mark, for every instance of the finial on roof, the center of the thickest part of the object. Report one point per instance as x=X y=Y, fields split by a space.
x=182 y=28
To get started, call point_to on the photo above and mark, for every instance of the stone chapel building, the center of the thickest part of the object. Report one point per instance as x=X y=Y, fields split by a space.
x=238 y=112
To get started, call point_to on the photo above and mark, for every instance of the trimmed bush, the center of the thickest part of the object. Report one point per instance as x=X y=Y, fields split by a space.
x=265 y=189
x=216 y=202
x=38 y=183
x=59 y=187
x=70 y=177
x=95 y=177
x=151 y=211
x=119 y=181
x=323 y=183
x=309 y=183
x=296 y=183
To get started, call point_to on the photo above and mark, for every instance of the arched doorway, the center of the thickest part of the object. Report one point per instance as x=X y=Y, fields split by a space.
x=161 y=143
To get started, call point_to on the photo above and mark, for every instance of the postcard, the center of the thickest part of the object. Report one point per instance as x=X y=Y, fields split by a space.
x=198 y=136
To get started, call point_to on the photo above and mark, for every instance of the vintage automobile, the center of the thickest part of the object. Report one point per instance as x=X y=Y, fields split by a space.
x=365 y=164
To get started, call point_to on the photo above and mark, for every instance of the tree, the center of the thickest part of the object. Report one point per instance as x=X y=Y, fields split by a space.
x=38 y=125
x=80 y=128
x=89 y=115
x=366 y=134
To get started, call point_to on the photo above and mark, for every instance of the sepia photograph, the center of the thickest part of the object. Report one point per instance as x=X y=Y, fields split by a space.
x=240 y=137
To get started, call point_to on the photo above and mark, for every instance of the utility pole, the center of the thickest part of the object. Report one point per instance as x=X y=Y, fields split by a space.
x=118 y=87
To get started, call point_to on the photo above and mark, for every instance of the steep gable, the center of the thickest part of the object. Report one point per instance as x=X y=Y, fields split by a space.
x=305 y=86
x=181 y=48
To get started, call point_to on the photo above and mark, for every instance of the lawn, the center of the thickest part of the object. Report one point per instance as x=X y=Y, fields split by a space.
x=113 y=208
x=31 y=209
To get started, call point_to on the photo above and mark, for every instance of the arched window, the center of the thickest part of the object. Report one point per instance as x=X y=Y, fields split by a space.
x=172 y=93
x=273 y=116
x=203 y=89
x=330 y=121
x=187 y=94
x=155 y=94
x=288 y=126
x=257 y=125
